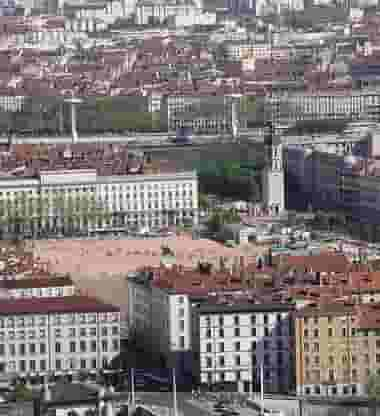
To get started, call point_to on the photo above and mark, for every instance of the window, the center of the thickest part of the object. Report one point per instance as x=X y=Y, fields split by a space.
x=221 y=346
x=266 y=345
x=58 y=364
x=22 y=366
x=222 y=376
x=42 y=348
x=221 y=321
x=182 y=341
x=82 y=332
x=58 y=333
x=306 y=347
x=43 y=365
x=208 y=347
x=2 y=349
x=266 y=320
x=115 y=344
x=32 y=365
x=253 y=346
x=221 y=333
x=93 y=363
x=115 y=330
x=316 y=347
x=208 y=362
x=32 y=348
x=93 y=331
x=253 y=319
x=237 y=346
x=72 y=346
x=83 y=364
x=57 y=347
x=330 y=332
x=253 y=332
x=221 y=361
x=181 y=325
x=12 y=349
x=266 y=332
x=105 y=332
x=237 y=332
x=104 y=346
x=306 y=333
x=236 y=320
x=82 y=346
x=266 y=359
x=208 y=333
x=22 y=349
x=316 y=333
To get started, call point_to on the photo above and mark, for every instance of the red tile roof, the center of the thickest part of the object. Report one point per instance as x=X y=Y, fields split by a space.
x=55 y=281
x=324 y=262
x=69 y=304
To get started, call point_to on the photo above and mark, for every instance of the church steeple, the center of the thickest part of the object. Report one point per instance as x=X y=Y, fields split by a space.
x=273 y=173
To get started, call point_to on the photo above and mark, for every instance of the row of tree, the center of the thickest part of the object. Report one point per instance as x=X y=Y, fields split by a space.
x=42 y=115
x=68 y=214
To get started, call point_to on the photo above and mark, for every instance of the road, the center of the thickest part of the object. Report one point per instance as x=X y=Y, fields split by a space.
x=184 y=404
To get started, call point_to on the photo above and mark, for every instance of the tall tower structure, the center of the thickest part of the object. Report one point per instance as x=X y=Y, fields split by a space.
x=273 y=173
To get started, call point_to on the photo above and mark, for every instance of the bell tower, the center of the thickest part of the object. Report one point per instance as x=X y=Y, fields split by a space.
x=273 y=172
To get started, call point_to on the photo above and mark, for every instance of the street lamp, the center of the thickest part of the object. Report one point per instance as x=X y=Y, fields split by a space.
x=175 y=403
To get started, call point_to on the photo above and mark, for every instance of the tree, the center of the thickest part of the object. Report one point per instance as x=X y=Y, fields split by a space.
x=204 y=203
x=373 y=386
x=22 y=393
x=221 y=217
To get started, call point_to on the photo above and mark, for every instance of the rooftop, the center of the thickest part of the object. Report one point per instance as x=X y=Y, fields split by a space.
x=69 y=304
x=35 y=282
x=228 y=306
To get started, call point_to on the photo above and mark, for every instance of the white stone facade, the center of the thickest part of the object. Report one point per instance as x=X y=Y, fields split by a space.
x=36 y=344
x=234 y=344
x=82 y=200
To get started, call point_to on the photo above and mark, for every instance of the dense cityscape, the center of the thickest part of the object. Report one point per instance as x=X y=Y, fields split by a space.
x=189 y=208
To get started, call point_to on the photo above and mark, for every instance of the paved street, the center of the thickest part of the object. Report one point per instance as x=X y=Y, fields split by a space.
x=188 y=406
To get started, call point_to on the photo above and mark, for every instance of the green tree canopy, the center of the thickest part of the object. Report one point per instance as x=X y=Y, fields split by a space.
x=22 y=393
x=373 y=387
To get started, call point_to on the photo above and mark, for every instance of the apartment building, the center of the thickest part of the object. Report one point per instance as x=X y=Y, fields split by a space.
x=60 y=335
x=232 y=340
x=161 y=304
x=163 y=317
x=329 y=181
x=84 y=200
x=238 y=50
x=337 y=348
x=334 y=105
x=210 y=113
x=148 y=12
x=36 y=287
